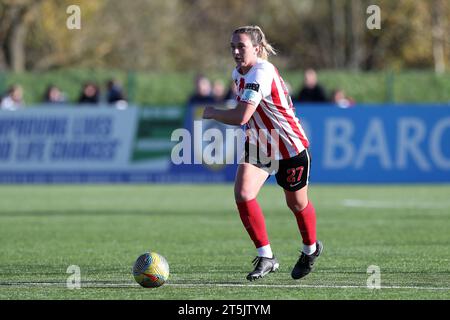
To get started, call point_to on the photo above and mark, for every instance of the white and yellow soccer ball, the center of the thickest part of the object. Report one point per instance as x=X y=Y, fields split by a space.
x=151 y=270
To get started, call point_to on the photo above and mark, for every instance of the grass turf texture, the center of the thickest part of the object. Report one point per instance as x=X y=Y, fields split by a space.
x=43 y=229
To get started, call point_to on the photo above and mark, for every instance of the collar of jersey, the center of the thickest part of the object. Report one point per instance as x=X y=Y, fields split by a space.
x=258 y=60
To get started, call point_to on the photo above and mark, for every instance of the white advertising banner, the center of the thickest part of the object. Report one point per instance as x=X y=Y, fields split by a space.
x=66 y=138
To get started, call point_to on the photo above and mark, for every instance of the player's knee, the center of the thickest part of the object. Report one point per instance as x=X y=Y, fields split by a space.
x=297 y=206
x=242 y=195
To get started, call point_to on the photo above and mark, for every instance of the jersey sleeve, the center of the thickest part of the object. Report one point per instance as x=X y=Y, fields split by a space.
x=234 y=75
x=257 y=86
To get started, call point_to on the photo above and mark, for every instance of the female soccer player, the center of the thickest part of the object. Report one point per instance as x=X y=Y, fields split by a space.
x=274 y=139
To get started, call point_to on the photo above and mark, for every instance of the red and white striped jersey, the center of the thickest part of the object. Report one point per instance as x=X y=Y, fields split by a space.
x=263 y=87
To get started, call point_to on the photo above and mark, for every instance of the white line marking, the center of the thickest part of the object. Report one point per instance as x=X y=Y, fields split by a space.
x=193 y=285
x=382 y=204
x=304 y=286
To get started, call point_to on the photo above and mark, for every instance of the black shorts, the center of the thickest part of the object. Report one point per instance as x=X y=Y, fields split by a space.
x=292 y=174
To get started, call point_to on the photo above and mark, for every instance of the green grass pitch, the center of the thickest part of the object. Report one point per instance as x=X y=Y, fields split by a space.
x=402 y=229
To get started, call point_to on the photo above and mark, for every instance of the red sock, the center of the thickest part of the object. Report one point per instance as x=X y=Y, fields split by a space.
x=306 y=221
x=253 y=220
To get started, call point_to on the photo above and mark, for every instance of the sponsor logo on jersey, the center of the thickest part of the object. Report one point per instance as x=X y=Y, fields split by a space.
x=252 y=86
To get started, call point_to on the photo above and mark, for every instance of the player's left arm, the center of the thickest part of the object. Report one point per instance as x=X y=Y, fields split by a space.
x=237 y=116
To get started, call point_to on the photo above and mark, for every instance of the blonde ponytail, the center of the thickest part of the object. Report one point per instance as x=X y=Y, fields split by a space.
x=258 y=40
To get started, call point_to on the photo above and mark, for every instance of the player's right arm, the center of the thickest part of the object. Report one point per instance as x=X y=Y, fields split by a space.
x=237 y=116
x=257 y=86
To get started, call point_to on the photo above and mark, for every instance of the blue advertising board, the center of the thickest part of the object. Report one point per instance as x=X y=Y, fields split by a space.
x=367 y=143
x=362 y=144
x=379 y=143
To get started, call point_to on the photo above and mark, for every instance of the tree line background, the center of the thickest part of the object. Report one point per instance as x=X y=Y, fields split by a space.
x=187 y=35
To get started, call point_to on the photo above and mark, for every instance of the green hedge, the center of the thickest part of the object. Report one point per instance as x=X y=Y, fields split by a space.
x=174 y=88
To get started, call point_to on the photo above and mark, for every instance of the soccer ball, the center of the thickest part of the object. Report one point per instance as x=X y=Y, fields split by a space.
x=151 y=270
